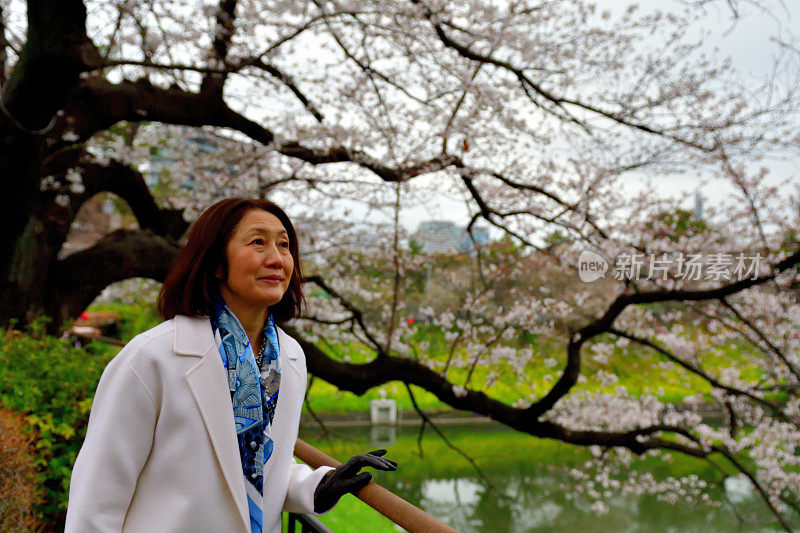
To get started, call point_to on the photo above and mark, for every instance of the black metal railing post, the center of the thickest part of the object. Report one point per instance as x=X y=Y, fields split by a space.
x=308 y=524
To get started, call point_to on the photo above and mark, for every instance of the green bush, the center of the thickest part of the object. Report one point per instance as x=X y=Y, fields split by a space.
x=52 y=384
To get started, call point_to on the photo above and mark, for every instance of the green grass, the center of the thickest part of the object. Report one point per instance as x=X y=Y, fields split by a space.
x=351 y=515
x=325 y=398
x=492 y=446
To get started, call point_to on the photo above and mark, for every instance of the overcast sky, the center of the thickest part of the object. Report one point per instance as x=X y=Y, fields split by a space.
x=746 y=41
x=749 y=43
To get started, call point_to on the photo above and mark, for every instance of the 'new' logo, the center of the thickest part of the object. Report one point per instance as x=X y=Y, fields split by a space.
x=591 y=266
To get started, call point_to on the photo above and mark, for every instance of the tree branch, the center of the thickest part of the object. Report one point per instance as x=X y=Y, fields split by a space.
x=605 y=322
x=290 y=84
x=120 y=255
x=4 y=45
x=774 y=349
x=224 y=29
x=125 y=182
x=359 y=378
x=427 y=421
x=357 y=315
x=558 y=108
x=56 y=51
x=98 y=104
x=700 y=372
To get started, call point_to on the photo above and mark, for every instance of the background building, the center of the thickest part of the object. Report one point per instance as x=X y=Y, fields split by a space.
x=444 y=237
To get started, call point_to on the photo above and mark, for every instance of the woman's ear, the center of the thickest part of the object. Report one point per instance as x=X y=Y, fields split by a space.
x=218 y=273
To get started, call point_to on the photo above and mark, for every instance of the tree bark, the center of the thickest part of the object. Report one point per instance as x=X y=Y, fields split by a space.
x=56 y=51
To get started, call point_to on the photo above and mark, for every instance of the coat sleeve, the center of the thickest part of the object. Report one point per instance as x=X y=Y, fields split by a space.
x=303 y=482
x=118 y=441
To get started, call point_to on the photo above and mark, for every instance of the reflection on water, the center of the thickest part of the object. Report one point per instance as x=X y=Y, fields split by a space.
x=520 y=503
x=458 y=491
x=520 y=495
x=455 y=499
x=382 y=436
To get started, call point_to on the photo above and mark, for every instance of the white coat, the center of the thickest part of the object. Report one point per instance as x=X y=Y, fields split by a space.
x=161 y=453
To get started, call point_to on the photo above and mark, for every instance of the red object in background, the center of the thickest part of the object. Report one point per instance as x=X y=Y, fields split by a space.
x=411 y=321
x=84 y=315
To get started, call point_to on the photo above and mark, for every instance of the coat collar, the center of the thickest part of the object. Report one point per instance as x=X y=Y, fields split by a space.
x=193 y=336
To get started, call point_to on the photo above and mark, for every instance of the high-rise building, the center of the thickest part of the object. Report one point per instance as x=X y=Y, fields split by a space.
x=444 y=237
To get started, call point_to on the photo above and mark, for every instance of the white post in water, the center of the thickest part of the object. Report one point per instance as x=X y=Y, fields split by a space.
x=383 y=411
x=383 y=417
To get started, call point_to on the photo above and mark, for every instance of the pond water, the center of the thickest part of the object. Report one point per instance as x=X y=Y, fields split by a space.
x=527 y=486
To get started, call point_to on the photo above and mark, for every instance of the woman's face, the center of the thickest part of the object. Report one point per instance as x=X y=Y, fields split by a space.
x=259 y=262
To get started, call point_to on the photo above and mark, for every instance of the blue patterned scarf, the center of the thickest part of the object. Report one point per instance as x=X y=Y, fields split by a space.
x=254 y=394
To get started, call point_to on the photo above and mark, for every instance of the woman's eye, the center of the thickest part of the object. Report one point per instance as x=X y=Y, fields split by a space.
x=284 y=244
x=257 y=241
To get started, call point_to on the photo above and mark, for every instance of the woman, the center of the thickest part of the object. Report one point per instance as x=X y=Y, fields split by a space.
x=194 y=422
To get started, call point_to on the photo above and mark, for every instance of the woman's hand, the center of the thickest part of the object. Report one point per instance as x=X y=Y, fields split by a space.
x=346 y=478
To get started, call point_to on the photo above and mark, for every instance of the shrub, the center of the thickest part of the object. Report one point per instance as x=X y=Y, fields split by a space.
x=51 y=383
x=19 y=488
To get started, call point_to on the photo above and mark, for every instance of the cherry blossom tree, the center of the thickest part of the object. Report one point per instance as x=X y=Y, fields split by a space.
x=536 y=114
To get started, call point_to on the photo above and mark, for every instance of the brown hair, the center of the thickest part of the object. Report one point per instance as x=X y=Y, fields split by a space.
x=191 y=288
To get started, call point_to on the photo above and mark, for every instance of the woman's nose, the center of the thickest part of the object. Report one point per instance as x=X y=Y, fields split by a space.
x=273 y=257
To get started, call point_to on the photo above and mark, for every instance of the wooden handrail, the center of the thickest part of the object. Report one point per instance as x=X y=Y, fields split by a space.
x=390 y=505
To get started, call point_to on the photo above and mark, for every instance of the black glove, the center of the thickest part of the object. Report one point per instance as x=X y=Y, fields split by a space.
x=345 y=478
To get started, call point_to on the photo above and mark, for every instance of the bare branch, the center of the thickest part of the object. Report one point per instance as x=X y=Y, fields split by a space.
x=325 y=433
x=427 y=421
x=290 y=84
x=557 y=104
x=310 y=23
x=357 y=315
x=368 y=70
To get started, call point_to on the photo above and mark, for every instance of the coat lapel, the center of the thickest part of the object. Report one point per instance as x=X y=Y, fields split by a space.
x=288 y=396
x=209 y=386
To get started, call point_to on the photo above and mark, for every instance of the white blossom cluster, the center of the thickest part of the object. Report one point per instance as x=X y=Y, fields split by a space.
x=609 y=475
x=133 y=290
